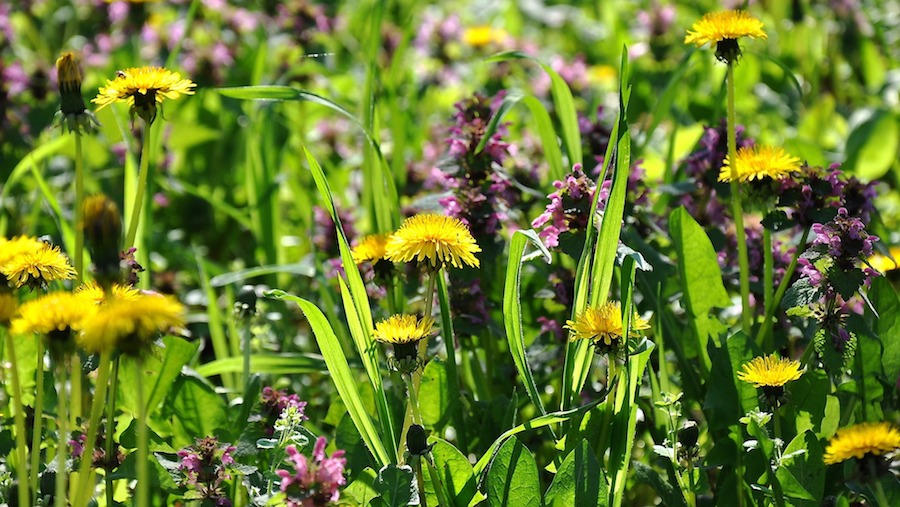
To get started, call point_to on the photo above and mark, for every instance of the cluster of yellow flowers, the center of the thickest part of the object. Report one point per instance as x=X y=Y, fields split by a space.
x=123 y=318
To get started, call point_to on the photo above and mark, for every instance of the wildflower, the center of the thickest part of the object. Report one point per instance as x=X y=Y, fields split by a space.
x=370 y=249
x=274 y=406
x=771 y=373
x=569 y=208
x=38 y=266
x=862 y=441
x=438 y=239
x=724 y=28
x=130 y=325
x=885 y=263
x=103 y=235
x=482 y=36
x=93 y=293
x=758 y=162
x=143 y=88
x=404 y=332
x=72 y=113
x=204 y=469
x=54 y=316
x=603 y=326
x=8 y=307
x=313 y=482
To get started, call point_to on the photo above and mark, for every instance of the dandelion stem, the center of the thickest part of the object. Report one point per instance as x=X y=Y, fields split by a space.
x=737 y=210
x=85 y=474
x=413 y=399
x=79 y=217
x=38 y=417
x=110 y=429
x=62 y=442
x=766 y=328
x=142 y=450
x=19 y=418
x=141 y=188
x=768 y=283
x=75 y=411
x=420 y=479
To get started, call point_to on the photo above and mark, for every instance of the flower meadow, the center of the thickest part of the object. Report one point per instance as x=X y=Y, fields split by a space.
x=391 y=253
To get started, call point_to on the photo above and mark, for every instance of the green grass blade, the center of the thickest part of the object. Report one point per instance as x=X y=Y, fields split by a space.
x=43 y=151
x=533 y=424
x=563 y=103
x=356 y=303
x=544 y=125
x=340 y=375
x=271 y=364
x=302 y=268
x=65 y=226
x=512 y=310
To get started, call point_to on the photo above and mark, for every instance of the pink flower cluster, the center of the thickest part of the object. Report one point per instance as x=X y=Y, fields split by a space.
x=313 y=483
x=204 y=467
x=568 y=209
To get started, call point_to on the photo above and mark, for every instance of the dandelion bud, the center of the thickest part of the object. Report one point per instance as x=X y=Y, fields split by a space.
x=416 y=440
x=72 y=113
x=103 y=233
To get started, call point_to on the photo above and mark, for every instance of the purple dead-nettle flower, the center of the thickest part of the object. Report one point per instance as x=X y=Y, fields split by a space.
x=569 y=207
x=846 y=239
x=204 y=469
x=859 y=198
x=274 y=402
x=810 y=194
x=312 y=482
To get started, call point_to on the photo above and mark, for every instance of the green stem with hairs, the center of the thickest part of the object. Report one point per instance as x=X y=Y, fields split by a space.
x=19 y=421
x=110 y=430
x=736 y=208
x=85 y=473
x=143 y=454
x=768 y=279
x=766 y=328
x=142 y=187
x=37 y=431
x=79 y=212
x=413 y=399
x=62 y=442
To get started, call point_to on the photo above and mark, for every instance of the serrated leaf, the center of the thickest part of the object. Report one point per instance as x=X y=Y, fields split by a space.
x=512 y=478
x=396 y=485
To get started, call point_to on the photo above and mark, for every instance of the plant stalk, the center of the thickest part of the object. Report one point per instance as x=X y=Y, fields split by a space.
x=137 y=206
x=19 y=421
x=37 y=431
x=62 y=442
x=79 y=212
x=85 y=474
x=143 y=454
x=737 y=209
x=766 y=328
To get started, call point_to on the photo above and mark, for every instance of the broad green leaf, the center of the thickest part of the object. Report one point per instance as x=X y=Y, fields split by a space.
x=512 y=311
x=340 y=375
x=698 y=265
x=455 y=473
x=579 y=481
x=727 y=398
x=808 y=395
x=435 y=395
x=512 y=479
x=195 y=409
x=159 y=372
x=872 y=146
x=362 y=490
x=802 y=475
x=885 y=300
x=396 y=485
x=669 y=495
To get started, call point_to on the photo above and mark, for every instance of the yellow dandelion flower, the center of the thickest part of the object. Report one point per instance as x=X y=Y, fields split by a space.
x=94 y=293
x=436 y=238
x=603 y=324
x=758 y=162
x=770 y=371
x=57 y=311
x=38 y=267
x=481 y=36
x=143 y=88
x=129 y=324
x=12 y=248
x=885 y=263
x=715 y=27
x=8 y=307
x=402 y=328
x=371 y=249
x=857 y=441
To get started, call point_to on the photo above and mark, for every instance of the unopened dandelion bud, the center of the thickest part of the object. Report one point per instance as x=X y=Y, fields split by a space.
x=103 y=235
x=72 y=113
x=417 y=441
